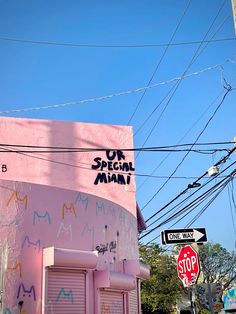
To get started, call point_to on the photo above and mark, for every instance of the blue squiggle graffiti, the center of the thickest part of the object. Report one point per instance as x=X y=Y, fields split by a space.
x=67 y=294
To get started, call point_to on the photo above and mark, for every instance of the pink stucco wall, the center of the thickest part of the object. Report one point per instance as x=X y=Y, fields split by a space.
x=34 y=217
x=66 y=170
x=45 y=204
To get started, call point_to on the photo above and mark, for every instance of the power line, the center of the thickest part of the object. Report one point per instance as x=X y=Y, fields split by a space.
x=222 y=160
x=26 y=153
x=186 y=133
x=199 y=151
x=177 y=167
x=10 y=150
x=77 y=45
x=220 y=189
x=154 y=110
x=189 y=196
x=183 y=201
x=77 y=166
x=161 y=114
x=117 y=148
x=231 y=202
x=177 y=206
x=232 y=195
x=55 y=149
x=101 y=98
x=218 y=29
x=160 y=60
x=174 y=177
x=176 y=86
x=206 y=206
x=196 y=217
x=201 y=199
x=85 y=168
x=193 y=203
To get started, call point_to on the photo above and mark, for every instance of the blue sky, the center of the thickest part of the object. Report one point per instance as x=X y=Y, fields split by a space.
x=36 y=75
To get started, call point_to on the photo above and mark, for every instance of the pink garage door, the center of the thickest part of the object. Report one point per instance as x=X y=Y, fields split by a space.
x=65 y=292
x=133 y=302
x=111 y=302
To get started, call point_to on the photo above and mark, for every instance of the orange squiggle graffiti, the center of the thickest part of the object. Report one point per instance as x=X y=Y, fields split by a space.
x=15 y=196
x=66 y=209
x=17 y=266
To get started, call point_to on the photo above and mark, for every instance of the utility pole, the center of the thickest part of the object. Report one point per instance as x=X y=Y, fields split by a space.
x=193 y=299
x=210 y=297
x=208 y=285
x=3 y=270
x=233 y=2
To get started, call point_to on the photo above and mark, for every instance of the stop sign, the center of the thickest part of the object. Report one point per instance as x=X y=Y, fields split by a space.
x=188 y=265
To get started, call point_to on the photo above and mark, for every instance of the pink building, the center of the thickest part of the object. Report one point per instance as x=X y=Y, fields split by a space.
x=69 y=219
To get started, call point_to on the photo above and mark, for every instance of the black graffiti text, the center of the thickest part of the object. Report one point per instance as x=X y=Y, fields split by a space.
x=4 y=168
x=121 y=170
x=102 y=248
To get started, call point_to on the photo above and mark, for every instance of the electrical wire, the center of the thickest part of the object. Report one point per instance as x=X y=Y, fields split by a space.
x=77 y=45
x=86 y=168
x=197 y=216
x=177 y=206
x=185 y=156
x=194 y=219
x=199 y=198
x=101 y=98
x=151 y=148
x=186 y=133
x=199 y=151
x=154 y=110
x=174 y=177
x=217 y=187
x=221 y=188
x=160 y=60
x=164 y=159
x=233 y=213
x=193 y=203
x=15 y=150
x=232 y=195
x=222 y=160
x=177 y=84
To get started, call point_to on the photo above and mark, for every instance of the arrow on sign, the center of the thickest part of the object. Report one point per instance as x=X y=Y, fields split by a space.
x=180 y=236
x=197 y=235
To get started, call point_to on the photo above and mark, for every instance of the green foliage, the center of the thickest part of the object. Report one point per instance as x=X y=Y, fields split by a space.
x=164 y=288
x=218 y=264
x=203 y=311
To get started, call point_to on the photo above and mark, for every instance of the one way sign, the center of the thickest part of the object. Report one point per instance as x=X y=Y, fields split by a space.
x=182 y=236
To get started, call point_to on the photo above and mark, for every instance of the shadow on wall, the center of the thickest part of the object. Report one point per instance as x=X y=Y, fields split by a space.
x=71 y=170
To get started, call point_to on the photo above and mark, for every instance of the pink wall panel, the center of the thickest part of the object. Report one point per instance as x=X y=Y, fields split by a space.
x=34 y=216
x=71 y=200
x=72 y=171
